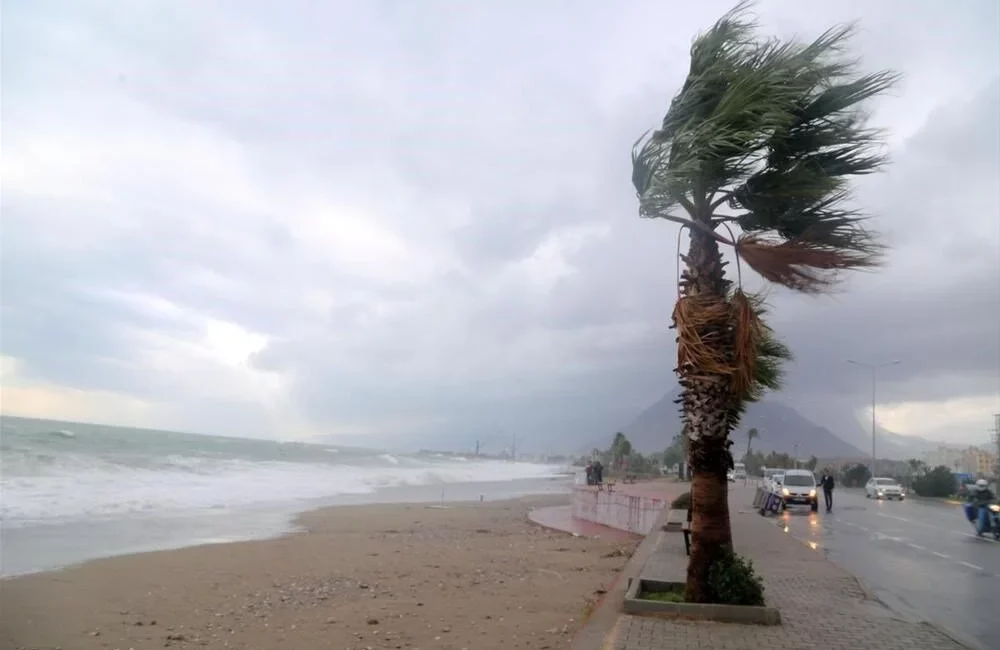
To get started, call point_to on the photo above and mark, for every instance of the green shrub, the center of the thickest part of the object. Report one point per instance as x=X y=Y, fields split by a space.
x=682 y=502
x=939 y=482
x=733 y=581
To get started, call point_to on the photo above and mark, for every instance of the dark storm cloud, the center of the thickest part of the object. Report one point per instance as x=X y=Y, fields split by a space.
x=425 y=212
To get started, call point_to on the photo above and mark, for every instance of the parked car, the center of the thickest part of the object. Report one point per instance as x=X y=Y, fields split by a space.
x=798 y=487
x=884 y=488
x=731 y=476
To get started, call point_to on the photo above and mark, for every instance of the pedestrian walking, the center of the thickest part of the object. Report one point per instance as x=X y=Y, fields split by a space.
x=827 y=483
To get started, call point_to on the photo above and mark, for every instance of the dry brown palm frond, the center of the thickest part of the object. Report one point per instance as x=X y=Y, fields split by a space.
x=702 y=324
x=748 y=331
x=801 y=264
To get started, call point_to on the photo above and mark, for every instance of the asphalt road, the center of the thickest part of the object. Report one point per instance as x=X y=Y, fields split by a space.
x=921 y=558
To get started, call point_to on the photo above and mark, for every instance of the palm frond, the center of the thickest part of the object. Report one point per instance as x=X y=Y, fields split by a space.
x=775 y=129
x=809 y=263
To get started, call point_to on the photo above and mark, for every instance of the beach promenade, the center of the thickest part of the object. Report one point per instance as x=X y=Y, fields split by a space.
x=822 y=605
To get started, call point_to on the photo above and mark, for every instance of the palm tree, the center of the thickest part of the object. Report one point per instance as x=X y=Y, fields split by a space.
x=751 y=434
x=764 y=136
x=621 y=448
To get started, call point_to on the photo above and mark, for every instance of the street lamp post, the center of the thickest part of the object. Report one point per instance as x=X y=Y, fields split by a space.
x=874 y=370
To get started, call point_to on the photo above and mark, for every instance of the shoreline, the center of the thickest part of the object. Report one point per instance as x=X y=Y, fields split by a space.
x=458 y=575
x=53 y=546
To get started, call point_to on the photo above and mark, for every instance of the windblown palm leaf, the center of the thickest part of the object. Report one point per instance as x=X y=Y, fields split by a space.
x=773 y=131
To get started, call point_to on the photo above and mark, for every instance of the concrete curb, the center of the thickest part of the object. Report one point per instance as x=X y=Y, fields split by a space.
x=740 y=614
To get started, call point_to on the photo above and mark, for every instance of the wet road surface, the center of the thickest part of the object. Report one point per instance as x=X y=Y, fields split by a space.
x=921 y=558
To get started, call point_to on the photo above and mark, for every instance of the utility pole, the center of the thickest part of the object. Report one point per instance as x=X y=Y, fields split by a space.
x=513 y=447
x=477 y=447
x=996 y=441
x=874 y=370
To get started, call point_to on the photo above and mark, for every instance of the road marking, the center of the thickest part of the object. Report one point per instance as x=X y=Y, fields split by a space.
x=915 y=523
x=942 y=555
x=985 y=539
x=920 y=523
x=918 y=546
x=970 y=565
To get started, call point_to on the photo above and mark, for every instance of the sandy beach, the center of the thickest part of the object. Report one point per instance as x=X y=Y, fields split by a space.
x=477 y=576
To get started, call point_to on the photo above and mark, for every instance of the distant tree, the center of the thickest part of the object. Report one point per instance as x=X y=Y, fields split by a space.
x=754 y=462
x=779 y=460
x=674 y=454
x=855 y=476
x=917 y=467
x=621 y=448
x=811 y=463
x=637 y=463
x=939 y=482
x=751 y=434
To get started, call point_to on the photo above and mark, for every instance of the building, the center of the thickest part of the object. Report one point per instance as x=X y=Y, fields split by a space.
x=972 y=460
x=950 y=457
x=980 y=462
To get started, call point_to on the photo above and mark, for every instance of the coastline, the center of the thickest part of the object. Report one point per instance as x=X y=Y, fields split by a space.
x=453 y=575
x=30 y=549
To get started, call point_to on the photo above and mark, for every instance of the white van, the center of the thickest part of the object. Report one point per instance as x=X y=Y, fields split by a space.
x=739 y=471
x=798 y=487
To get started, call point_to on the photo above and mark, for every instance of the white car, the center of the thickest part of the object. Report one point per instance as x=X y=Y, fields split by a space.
x=884 y=488
x=798 y=487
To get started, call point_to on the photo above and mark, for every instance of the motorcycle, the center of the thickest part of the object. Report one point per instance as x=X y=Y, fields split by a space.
x=984 y=518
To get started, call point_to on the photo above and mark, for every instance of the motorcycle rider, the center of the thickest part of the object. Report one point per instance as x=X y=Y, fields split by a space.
x=981 y=495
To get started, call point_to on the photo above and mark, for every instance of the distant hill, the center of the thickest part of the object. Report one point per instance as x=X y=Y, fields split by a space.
x=781 y=429
x=888 y=444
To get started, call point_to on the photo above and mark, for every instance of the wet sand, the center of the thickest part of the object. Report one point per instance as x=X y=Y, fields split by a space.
x=477 y=576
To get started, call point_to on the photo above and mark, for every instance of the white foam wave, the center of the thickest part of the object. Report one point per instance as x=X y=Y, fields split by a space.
x=69 y=490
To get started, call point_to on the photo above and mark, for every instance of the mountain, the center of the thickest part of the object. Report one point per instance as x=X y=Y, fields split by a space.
x=888 y=444
x=781 y=429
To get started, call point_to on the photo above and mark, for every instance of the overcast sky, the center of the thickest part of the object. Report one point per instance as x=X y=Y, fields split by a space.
x=400 y=219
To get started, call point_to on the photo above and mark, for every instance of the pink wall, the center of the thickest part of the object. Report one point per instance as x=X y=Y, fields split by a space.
x=632 y=513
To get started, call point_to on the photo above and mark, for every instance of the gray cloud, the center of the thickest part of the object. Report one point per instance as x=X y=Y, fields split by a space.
x=424 y=215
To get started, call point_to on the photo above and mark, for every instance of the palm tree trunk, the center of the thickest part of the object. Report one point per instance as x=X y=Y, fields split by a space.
x=706 y=399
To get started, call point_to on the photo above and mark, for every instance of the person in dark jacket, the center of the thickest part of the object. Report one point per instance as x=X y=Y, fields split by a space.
x=598 y=473
x=827 y=482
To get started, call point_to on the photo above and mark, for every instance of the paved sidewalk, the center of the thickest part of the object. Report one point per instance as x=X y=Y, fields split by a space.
x=822 y=606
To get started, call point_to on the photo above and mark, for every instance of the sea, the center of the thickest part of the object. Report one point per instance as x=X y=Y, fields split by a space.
x=71 y=492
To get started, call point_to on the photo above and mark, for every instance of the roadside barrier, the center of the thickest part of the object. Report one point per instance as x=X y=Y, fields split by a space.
x=632 y=513
x=766 y=501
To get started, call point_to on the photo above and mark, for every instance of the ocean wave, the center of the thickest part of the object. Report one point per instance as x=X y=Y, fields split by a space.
x=73 y=487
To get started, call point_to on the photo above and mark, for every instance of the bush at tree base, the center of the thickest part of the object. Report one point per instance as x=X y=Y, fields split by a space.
x=733 y=581
x=682 y=502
